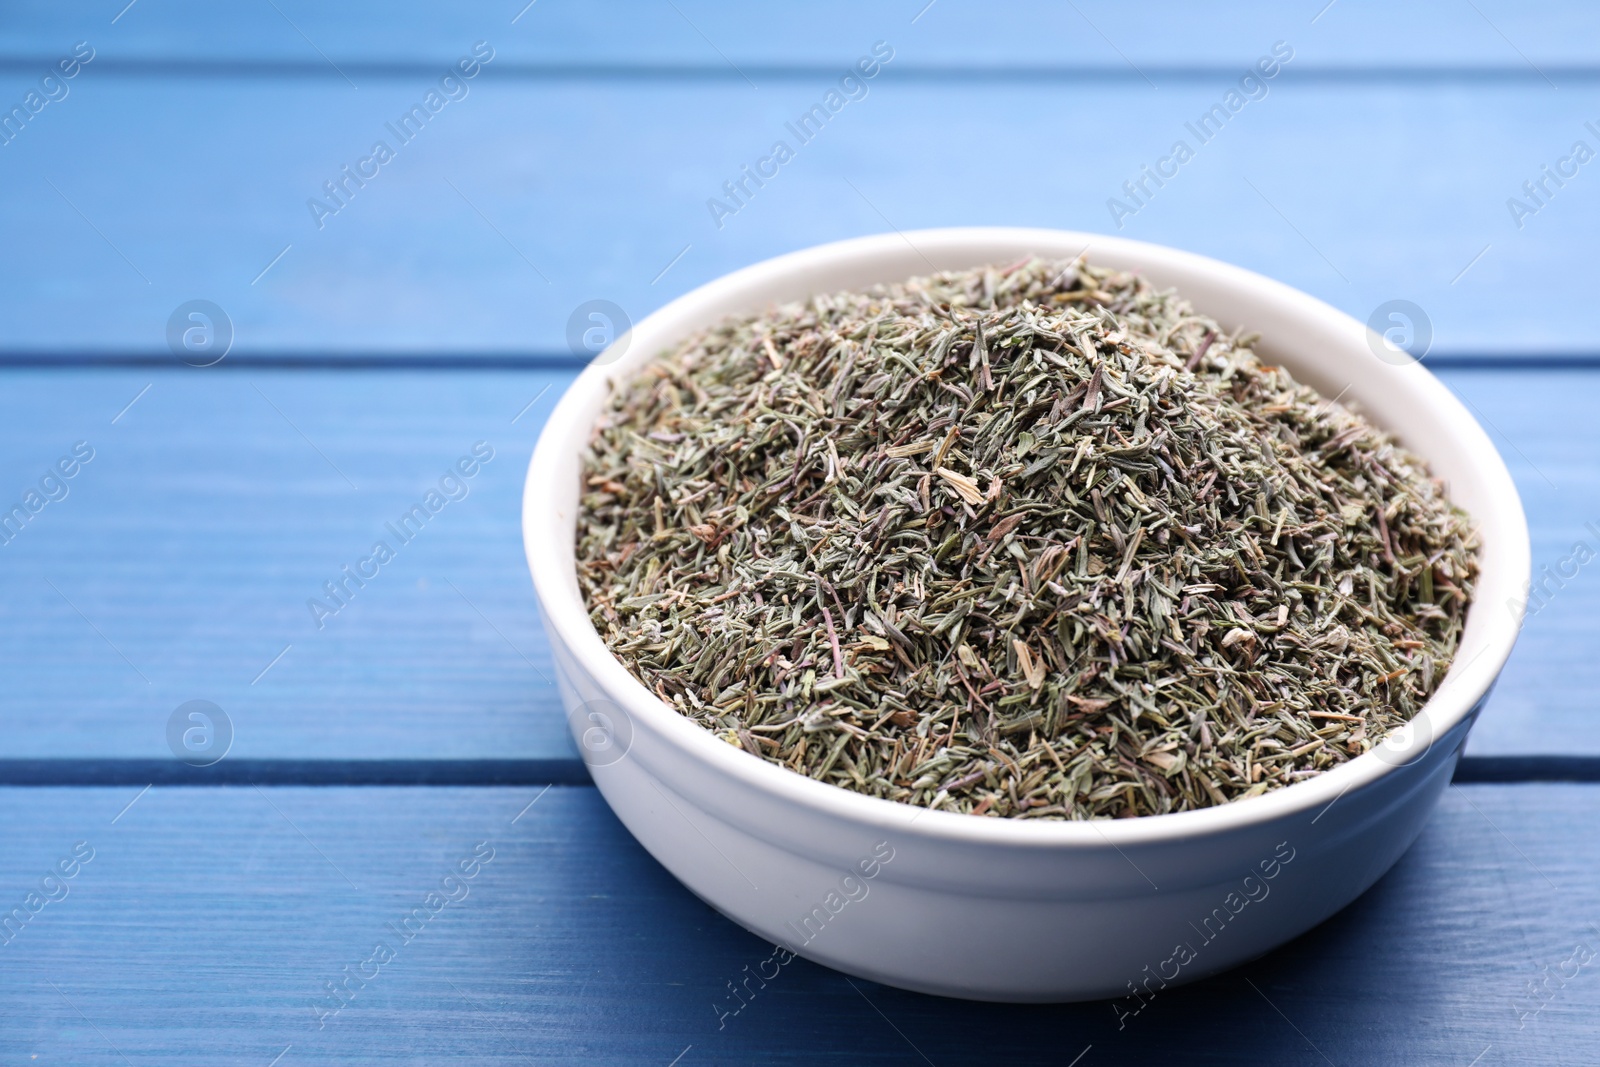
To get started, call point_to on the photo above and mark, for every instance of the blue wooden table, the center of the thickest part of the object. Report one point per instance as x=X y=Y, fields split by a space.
x=384 y=313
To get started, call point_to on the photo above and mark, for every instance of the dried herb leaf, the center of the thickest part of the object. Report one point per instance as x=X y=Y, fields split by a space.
x=1034 y=541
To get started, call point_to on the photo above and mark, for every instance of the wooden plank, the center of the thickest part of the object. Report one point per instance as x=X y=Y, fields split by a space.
x=194 y=538
x=208 y=921
x=1546 y=697
x=181 y=562
x=527 y=198
x=713 y=35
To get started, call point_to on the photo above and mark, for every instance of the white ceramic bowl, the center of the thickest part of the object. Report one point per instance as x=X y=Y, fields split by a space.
x=1018 y=910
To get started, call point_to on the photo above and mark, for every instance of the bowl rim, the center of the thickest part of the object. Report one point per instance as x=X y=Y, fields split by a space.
x=1504 y=558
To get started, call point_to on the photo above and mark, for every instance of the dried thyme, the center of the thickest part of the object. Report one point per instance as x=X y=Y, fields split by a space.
x=1034 y=541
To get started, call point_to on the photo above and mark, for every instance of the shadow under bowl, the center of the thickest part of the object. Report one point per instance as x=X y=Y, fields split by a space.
x=1005 y=909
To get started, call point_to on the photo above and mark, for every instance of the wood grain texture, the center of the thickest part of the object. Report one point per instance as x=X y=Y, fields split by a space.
x=1546 y=699
x=208 y=921
x=711 y=35
x=193 y=540
x=526 y=198
x=181 y=562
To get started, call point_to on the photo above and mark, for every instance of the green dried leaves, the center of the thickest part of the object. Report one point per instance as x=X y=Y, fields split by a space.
x=1035 y=541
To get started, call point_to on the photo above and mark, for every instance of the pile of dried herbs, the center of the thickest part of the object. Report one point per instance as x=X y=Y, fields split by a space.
x=1035 y=540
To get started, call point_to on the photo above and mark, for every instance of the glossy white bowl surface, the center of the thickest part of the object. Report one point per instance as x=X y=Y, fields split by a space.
x=1022 y=910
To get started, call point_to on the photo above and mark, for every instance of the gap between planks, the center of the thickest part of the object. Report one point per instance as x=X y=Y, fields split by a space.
x=1504 y=770
x=112 y=359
